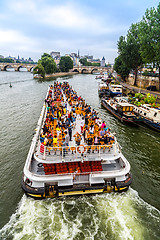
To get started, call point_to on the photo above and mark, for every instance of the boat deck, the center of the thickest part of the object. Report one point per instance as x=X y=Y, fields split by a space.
x=86 y=158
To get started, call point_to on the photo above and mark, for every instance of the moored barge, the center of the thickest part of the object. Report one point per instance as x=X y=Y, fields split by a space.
x=121 y=109
x=72 y=151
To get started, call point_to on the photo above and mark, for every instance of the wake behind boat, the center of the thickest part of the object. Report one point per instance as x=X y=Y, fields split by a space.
x=72 y=151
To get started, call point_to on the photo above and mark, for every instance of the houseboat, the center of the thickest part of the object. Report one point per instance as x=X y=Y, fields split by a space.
x=149 y=115
x=115 y=90
x=103 y=89
x=71 y=153
x=121 y=109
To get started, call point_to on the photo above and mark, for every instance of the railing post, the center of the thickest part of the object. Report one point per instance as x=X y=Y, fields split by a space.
x=62 y=155
x=44 y=154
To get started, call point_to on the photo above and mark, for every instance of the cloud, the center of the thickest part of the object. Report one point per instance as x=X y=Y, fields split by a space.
x=68 y=15
x=12 y=36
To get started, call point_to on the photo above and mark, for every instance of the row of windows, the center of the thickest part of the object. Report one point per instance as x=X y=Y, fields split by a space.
x=155 y=114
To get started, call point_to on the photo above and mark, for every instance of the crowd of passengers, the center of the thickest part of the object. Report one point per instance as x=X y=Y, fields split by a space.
x=60 y=121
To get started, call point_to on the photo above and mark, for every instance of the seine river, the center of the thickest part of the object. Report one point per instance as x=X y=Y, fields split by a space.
x=131 y=215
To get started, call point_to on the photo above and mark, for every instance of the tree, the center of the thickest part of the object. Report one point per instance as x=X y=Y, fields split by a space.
x=120 y=68
x=39 y=69
x=83 y=61
x=149 y=35
x=6 y=60
x=129 y=49
x=48 y=63
x=65 y=64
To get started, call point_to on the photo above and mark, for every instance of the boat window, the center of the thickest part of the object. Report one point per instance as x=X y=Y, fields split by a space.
x=140 y=111
x=127 y=108
x=155 y=114
x=144 y=114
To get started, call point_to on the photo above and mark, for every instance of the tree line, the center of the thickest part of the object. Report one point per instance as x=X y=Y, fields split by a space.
x=6 y=60
x=47 y=65
x=140 y=46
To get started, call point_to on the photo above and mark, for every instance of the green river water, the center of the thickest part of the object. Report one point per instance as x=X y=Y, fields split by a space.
x=131 y=215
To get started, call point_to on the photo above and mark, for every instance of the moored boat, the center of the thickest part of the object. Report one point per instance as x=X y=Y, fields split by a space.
x=121 y=109
x=115 y=90
x=72 y=152
x=103 y=89
x=150 y=116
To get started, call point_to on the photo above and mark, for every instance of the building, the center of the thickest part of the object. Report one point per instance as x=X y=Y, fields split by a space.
x=1 y=56
x=103 y=62
x=56 y=56
x=75 y=58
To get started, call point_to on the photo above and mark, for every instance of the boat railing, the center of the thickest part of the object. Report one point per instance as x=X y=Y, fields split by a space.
x=73 y=153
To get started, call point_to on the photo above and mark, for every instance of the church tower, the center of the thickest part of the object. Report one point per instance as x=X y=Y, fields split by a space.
x=103 y=62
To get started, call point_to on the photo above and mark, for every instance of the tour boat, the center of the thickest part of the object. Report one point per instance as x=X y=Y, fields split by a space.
x=121 y=109
x=149 y=115
x=54 y=168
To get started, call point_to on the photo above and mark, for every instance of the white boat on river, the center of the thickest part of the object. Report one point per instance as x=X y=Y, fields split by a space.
x=149 y=115
x=72 y=152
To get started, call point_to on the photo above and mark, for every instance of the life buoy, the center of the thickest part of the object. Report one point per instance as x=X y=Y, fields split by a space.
x=79 y=150
x=40 y=164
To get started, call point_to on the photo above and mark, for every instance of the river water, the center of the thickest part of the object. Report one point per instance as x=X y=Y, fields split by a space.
x=131 y=215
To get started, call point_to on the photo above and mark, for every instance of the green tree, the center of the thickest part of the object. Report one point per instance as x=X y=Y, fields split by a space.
x=48 y=63
x=120 y=68
x=6 y=60
x=129 y=49
x=96 y=64
x=83 y=61
x=39 y=69
x=149 y=35
x=65 y=64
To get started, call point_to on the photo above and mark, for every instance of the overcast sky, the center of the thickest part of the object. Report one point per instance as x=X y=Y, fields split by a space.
x=29 y=28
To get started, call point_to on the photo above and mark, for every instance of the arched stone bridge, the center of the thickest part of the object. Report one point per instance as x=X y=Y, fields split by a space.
x=17 y=66
x=90 y=69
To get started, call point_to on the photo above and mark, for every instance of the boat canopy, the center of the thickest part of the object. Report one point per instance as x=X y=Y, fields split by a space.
x=125 y=107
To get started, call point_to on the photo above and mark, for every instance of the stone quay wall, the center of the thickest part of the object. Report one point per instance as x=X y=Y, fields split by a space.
x=144 y=81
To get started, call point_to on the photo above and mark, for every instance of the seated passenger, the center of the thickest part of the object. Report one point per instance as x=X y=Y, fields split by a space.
x=91 y=129
x=55 y=140
x=102 y=132
x=77 y=136
x=96 y=140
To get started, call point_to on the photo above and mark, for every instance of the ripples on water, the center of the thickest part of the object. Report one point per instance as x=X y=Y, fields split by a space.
x=105 y=216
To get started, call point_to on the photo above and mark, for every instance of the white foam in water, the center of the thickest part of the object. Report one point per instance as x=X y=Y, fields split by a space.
x=105 y=216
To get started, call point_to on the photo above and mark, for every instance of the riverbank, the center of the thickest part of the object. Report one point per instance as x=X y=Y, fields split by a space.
x=58 y=74
x=129 y=88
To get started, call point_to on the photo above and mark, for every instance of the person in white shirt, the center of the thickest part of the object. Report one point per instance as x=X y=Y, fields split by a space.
x=82 y=124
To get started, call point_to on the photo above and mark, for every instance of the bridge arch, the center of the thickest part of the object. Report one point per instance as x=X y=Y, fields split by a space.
x=75 y=70
x=31 y=69
x=21 y=66
x=8 y=66
x=95 y=70
x=84 y=70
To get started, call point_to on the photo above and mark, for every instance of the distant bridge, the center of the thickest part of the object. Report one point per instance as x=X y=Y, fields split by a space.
x=90 y=69
x=17 y=66
x=29 y=67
